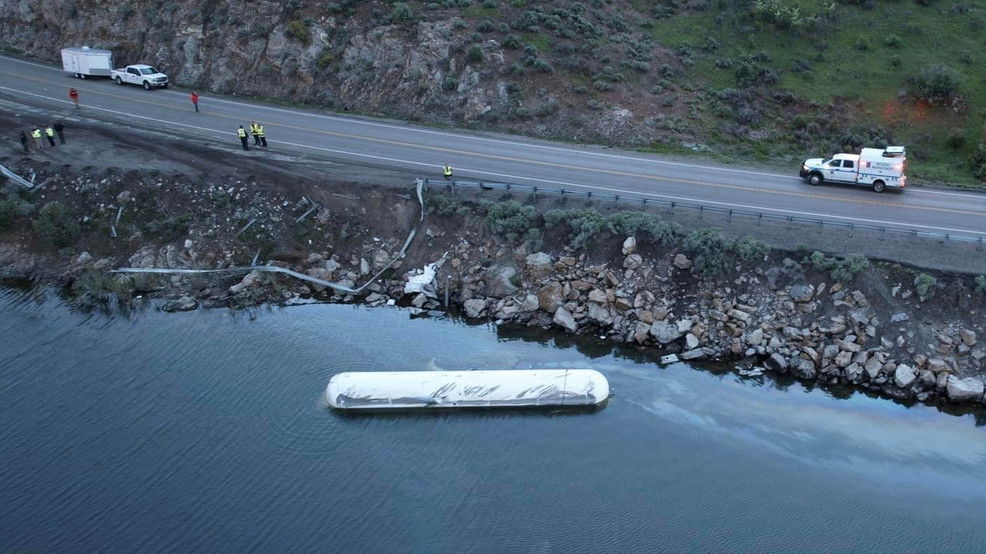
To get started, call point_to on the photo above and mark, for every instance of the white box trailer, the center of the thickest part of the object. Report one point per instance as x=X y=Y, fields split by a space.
x=83 y=61
x=880 y=168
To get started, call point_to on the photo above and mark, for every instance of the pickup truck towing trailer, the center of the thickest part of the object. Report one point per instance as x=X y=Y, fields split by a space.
x=87 y=62
x=879 y=168
x=143 y=75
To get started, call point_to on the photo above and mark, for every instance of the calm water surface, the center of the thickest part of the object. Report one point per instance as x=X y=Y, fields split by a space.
x=205 y=432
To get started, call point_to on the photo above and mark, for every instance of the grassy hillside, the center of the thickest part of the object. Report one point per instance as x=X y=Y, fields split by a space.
x=769 y=79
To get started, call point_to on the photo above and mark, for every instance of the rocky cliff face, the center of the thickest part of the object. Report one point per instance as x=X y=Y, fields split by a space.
x=349 y=57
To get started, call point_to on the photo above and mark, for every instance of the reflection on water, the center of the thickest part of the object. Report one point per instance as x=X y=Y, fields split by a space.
x=207 y=431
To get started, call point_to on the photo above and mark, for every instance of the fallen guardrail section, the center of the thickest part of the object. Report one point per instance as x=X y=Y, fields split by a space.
x=288 y=272
x=760 y=216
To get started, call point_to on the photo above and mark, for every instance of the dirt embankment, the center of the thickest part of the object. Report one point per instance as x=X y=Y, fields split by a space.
x=633 y=278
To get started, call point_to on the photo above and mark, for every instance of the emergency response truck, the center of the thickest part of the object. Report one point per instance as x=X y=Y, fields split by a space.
x=879 y=168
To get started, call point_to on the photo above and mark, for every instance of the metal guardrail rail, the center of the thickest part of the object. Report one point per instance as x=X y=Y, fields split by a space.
x=16 y=178
x=978 y=239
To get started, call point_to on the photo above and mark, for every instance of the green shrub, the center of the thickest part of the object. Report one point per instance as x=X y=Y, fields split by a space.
x=583 y=224
x=542 y=65
x=978 y=161
x=98 y=288
x=749 y=249
x=298 y=31
x=924 y=283
x=937 y=83
x=534 y=240
x=450 y=83
x=474 y=54
x=892 y=41
x=401 y=12
x=980 y=285
x=709 y=251
x=844 y=270
x=955 y=139
x=57 y=225
x=484 y=26
x=446 y=206
x=638 y=223
x=510 y=219
x=511 y=42
x=8 y=211
x=326 y=58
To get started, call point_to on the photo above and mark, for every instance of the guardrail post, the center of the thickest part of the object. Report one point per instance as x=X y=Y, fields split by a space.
x=616 y=199
x=759 y=219
x=643 y=202
x=980 y=246
x=883 y=231
x=852 y=229
x=534 y=192
x=730 y=215
x=671 y=210
x=701 y=211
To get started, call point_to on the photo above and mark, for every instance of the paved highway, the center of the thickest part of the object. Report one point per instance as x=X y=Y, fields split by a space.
x=422 y=151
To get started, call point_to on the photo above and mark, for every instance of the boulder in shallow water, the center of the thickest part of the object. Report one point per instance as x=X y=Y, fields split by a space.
x=183 y=304
x=969 y=389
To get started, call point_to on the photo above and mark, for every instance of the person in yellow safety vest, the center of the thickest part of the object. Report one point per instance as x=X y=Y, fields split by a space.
x=255 y=132
x=50 y=135
x=447 y=171
x=36 y=135
x=261 y=135
x=241 y=132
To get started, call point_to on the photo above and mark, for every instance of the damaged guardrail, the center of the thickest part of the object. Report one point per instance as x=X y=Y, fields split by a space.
x=642 y=200
x=284 y=271
x=16 y=178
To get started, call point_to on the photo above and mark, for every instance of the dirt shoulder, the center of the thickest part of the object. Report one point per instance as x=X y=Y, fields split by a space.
x=111 y=199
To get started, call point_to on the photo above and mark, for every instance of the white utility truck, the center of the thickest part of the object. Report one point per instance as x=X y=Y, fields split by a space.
x=83 y=61
x=143 y=75
x=879 y=168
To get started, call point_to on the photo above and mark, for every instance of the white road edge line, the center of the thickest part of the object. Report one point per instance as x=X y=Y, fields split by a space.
x=536 y=180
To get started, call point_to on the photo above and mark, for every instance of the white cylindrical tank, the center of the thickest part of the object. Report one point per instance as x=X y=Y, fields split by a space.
x=401 y=390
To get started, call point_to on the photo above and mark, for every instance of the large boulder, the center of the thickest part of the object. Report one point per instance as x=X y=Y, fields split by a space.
x=565 y=319
x=682 y=262
x=539 y=265
x=629 y=246
x=802 y=367
x=802 y=293
x=904 y=375
x=551 y=296
x=183 y=304
x=664 y=332
x=499 y=281
x=969 y=389
x=599 y=314
x=475 y=307
x=776 y=362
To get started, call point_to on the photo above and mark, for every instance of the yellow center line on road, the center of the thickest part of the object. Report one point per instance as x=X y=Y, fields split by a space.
x=446 y=150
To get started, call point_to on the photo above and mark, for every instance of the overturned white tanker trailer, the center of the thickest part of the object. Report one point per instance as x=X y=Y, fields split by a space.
x=410 y=390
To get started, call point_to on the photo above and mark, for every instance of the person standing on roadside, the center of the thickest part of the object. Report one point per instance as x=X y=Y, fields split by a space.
x=50 y=135
x=255 y=133
x=241 y=132
x=261 y=135
x=60 y=129
x=447 y=172
x=36 y=135
x=74 y=95
x=195 y=100
x=27 y=150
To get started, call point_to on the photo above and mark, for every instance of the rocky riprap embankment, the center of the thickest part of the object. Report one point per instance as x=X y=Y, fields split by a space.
x=781 y=323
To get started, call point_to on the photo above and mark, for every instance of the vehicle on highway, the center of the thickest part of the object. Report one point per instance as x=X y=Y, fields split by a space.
x=879 y=168
x=83 y=61
x=141 y=74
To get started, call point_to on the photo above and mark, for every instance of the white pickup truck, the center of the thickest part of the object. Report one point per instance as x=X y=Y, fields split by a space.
x=878 y=168
x=143 y=75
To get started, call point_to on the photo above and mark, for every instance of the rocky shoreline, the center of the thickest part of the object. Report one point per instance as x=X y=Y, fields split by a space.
x=889 y=329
